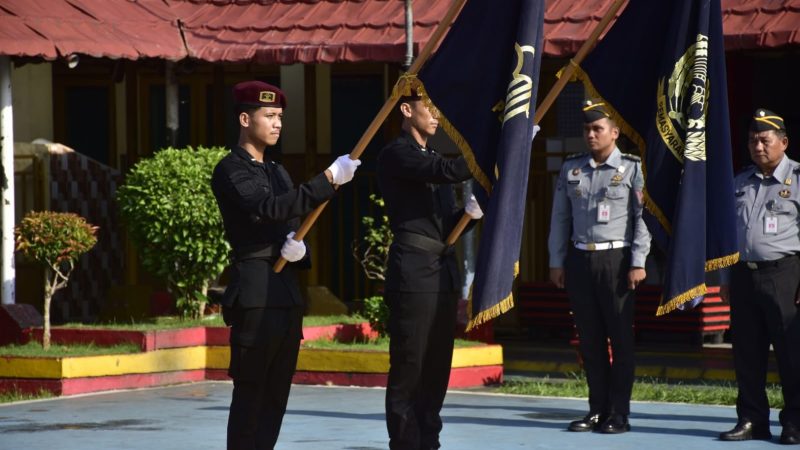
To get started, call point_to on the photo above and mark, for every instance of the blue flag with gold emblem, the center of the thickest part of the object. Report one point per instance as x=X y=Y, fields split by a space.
x=483 y=81
x=661 y=69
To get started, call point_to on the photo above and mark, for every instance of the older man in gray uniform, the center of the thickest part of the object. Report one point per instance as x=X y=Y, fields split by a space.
x=764 y=284
x=598 y=245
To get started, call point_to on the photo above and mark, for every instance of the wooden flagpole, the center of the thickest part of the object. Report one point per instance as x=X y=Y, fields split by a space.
x=381 y=116
x=548 y=101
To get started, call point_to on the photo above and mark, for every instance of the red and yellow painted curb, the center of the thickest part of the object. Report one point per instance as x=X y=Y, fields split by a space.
x=472 y=366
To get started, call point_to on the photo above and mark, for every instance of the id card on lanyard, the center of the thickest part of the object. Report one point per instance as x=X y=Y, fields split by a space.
x=770 y=224
x=603 y=212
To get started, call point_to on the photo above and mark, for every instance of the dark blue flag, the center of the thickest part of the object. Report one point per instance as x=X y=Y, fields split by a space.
x=661 y=68
x=483 y=81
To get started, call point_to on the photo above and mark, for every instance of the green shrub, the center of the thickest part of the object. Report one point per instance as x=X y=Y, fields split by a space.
x=173 y=219
x=374 y=309
x=372 y=251
x=56 y=240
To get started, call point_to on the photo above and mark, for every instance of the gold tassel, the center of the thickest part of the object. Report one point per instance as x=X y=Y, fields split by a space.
x=722 y=262
x=675 y=302
x=489 y=314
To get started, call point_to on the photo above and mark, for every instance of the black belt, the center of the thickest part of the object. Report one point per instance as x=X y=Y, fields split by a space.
x=756 y=265
x=423 y=242
x=258 y=251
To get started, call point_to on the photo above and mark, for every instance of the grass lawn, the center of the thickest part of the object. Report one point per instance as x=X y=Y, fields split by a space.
x=34 y=349
x=646 y=389
x=155 y=323
x=319 y=321
x=214 y=320
x=10 y=397
x=378 y=345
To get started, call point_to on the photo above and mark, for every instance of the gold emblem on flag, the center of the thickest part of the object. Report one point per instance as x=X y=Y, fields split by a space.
x=520 y=89
x=266 y=97
x=682 y=104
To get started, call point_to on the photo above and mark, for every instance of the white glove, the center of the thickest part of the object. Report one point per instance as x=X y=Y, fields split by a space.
x=293 y=250
x=343 y=169
x=536 y=129
x=472 y=208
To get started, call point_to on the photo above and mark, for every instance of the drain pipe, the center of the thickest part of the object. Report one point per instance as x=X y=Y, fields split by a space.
x=171 y=92
x=7 y=179
x=409 y=36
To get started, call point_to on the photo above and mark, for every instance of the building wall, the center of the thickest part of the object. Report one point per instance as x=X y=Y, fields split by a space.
x=32 y=91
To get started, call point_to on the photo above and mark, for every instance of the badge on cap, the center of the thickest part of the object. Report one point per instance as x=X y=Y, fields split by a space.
x=784 y=193
x=266 y=96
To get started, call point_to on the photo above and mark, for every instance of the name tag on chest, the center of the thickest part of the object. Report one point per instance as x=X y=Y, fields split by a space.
x=603 y=212
x=770 y=225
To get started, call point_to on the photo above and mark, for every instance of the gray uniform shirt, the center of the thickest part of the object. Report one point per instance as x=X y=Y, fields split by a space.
x=583 y=187
x=767 y=212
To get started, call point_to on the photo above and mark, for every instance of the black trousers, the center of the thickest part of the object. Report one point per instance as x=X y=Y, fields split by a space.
x=763 y=312
x=422 y=329
x=602 y=304
x=264 y=347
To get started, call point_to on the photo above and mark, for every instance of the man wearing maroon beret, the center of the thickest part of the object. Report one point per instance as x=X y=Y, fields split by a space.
x=261 y=209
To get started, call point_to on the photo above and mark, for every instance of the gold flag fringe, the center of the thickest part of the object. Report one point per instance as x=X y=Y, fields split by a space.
x=501 y=307
x=722 y=262
x=408 y=84
x=674 y=303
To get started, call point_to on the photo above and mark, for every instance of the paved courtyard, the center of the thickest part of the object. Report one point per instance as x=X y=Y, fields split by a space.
x=194 y=417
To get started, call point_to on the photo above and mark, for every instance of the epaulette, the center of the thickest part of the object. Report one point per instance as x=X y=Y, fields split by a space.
x=575 y=155
x=630 y=157
x=796 y=169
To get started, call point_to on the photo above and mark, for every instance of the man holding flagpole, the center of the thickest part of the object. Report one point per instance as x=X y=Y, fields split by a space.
x=422 y=278
x=598 y=245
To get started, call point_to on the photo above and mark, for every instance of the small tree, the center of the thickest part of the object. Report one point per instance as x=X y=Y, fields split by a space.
x=56 y=240
x=174 y=221
x=372 y=252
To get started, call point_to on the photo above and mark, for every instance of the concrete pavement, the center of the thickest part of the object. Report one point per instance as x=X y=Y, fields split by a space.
x=194 y=417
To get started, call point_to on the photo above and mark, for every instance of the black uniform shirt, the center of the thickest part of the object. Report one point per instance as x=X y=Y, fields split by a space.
x=259 y=207
x=415 y=185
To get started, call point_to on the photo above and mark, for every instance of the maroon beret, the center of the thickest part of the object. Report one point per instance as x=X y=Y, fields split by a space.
x=258 y=93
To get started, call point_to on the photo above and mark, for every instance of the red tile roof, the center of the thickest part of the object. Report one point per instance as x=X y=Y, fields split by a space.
x=309 y=31
x=100 y=28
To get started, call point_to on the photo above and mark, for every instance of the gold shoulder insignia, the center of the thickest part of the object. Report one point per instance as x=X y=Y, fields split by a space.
x=576 y=155
x=631 y=157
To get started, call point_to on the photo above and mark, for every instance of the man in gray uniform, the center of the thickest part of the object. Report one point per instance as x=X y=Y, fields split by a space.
x=764 y=284
x=598 y=245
